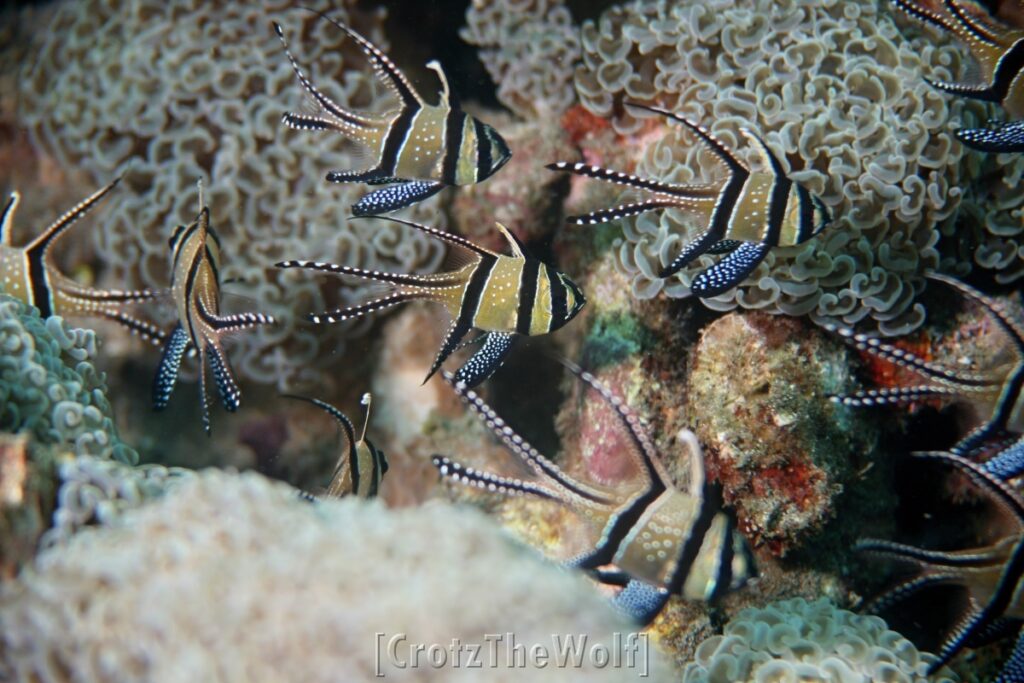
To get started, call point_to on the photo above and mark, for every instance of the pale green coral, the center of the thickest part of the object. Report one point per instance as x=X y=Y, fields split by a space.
x=838 y=90
x=172 y=92
x=49 y=386
x=811 y=642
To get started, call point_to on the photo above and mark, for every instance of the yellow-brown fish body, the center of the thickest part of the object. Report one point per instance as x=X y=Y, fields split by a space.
x=361 y=469
x=998 y=392
x=419 y=148
x=746 y=215
x=29 y=274
x=997 y=48
x=195 y=291
x=993 y=575
x=660 y=540
x=502 y=296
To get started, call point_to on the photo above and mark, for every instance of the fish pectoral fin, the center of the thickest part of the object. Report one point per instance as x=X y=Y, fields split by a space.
x=43 y=241
x=976 y=92
x=621 y=211
x=170 y=363
x=469 y=476
x=730 y=271
x=487 y=359
x=396 y=197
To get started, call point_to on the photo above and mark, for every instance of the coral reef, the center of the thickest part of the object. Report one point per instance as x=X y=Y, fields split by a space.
x=49 y=386
x=758 y=391
x=813 y=642
x=530 y=48
x=838 y=90
x=197 y=586
x=172 y=92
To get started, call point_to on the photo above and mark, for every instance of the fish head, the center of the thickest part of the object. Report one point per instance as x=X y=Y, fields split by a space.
x=498 y=155
x=574 y=301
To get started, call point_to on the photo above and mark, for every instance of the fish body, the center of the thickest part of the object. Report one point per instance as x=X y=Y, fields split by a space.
x=195 y=291
x=999 y=392
x=501 y=296
x=659 y=540
x=745 y=215
x=362 y=467
x=992 y=575
x=29 y=274
x=419 y=148
x=997 y=48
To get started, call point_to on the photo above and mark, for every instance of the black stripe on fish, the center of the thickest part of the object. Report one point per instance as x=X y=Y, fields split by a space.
x=468 y=309
x=396 y=139
x=806 y=229
x=454 y=126
x=559 y=303
x=483 y=151
x=528 y=283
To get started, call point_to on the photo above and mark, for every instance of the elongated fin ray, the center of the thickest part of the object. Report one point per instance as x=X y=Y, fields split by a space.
x=490 y=482
x=622 y=211
x=906 y=589
x=342 y=314
x=908 y=360
x=970 y=24
x=894 y=396
x=448 y=237
x=709 y=138
x=170 y=363
x=452 y=339
x=343 y=421
x=995 y=488
x=628 y=179
x=1011 y=326
x=42 y=243
x=517 y=247
x=381 y=64
x=204 y=396
x=572 y=491
x=142 y=328
x=375 y=275
x=927 y=558
x=768 y=157
x=7 y=218
x=914 y=9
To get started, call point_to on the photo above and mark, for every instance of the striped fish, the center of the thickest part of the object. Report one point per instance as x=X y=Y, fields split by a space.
x=993 y=576
x=502 y=296
x=360 y=471
x=195 y=291
x=746 y=214
x=29 y=274
x=997 y=392
x=420 y=148
x=998 y=50
x=659 y=540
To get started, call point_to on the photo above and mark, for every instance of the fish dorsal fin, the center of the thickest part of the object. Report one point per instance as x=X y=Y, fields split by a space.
x=971 y=26
x=1000 y=492
x=7 y=218
x=768 y=157
x=45 y=240
x=709 y=138
x=697 y=475
x=518 y=250
x=367 y=401
x=394 y=78
x=642 y=450
x=343 y=421
x=448 y=237
x=448 y=98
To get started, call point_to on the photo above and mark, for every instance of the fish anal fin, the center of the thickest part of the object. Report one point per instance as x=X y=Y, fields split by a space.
x=170 y=363
x=487 y=359
x=396 y=197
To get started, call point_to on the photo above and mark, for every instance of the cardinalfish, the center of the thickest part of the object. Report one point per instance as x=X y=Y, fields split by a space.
x=655 y=540
x=195 y=291
x=999 y=390
x=746 y=214
x=360 y=471
x=419 y=148
x=993 y=576
x=29 y=274
x=998 y=50
x=502 y=296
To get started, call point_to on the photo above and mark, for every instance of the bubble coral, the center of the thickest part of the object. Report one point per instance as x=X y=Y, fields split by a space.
x=176 y=91
x=839 y=92
x=530 y=48
x=812 y=642
x=49 y=386
x=233 y=578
